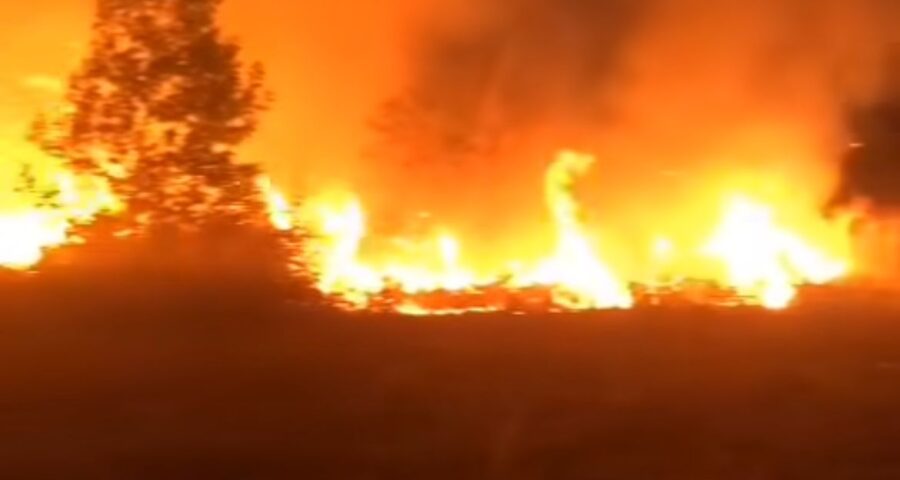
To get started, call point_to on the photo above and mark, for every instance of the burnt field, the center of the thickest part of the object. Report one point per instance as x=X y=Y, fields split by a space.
x=98 y=385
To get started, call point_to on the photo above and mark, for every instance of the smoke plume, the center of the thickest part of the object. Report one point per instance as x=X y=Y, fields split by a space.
x=457 y=106
x=683 y=101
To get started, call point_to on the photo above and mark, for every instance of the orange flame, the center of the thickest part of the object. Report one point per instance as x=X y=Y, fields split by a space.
x=27 y=230
x=764 y=263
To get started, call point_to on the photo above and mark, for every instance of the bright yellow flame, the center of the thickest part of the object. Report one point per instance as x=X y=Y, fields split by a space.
x=579 y=278
x=342 y=229
x=574 y=272
x=281 y=215
x=24 y=236
x=764 y=261
x=28 y=229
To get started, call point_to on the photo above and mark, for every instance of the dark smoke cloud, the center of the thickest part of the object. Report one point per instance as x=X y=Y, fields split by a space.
x=871 y=173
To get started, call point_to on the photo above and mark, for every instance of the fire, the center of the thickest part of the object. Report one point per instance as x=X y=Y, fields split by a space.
x=762 y=261
x=281 y=214
x=28 y=228
x=574 y=273
x=760 y=258
x=25 y=235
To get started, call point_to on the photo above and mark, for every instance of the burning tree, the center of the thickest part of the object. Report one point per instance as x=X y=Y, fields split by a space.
x=158 y=109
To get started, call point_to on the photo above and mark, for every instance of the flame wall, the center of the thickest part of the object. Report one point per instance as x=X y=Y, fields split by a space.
x=683 y=102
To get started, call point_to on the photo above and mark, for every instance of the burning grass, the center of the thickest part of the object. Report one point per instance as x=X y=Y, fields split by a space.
x=750 y=258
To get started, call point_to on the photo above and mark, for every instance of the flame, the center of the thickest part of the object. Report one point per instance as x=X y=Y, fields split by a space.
x=28 y=229
x=580 y=279
x=761 y=259
x=763 y=262
x=281 y=214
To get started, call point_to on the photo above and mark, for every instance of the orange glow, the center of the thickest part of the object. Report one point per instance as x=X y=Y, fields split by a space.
x=580 y=280
x=281 y=215
x=695 y=181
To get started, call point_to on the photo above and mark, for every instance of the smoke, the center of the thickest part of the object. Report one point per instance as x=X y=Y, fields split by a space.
x=683 y=102
x=871 y=173
x=329 y=65
x=457 y=106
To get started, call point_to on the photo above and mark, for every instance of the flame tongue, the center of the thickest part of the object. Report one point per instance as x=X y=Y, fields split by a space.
x=574 y=273
x=579 y=278
x=763 y=262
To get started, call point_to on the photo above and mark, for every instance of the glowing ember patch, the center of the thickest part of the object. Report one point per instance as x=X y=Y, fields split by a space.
x=574 y=272
x=579 y=278
x=414 y=310
x=341 y=231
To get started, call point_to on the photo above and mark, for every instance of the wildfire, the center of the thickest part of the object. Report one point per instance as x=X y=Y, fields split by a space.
x=763 y=262
x=580 y=280
x=281 y=214
x=29 y=227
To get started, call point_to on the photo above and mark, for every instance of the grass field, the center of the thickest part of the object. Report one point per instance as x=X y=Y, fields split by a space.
x=103 y=386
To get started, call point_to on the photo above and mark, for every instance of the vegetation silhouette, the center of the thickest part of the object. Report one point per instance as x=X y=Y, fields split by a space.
x=158 y=108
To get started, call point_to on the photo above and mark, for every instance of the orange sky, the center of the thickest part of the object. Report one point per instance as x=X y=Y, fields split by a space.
x=329 y=63
x=33 y=49
x=322 y=100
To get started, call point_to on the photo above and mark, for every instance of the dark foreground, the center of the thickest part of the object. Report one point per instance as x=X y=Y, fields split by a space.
x=172 y=389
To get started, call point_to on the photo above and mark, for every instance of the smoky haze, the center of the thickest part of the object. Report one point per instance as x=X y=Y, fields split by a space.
x=681 y=100
x=457 y=106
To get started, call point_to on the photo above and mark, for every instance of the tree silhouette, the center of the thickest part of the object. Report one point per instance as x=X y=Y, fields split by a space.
x=158 y=108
